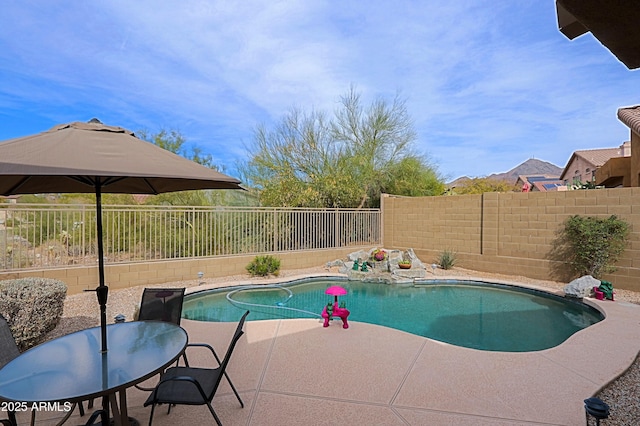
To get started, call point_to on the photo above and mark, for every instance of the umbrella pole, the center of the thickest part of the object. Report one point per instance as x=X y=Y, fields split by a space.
x=102 y=289
x=102 y=292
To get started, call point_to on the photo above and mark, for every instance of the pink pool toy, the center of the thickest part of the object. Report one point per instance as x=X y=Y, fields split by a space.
x=335 y=310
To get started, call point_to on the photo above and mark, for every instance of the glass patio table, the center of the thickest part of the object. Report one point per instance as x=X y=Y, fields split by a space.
x=72 y=368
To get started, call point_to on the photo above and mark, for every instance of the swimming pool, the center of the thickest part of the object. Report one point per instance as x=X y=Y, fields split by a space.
x=472 y=314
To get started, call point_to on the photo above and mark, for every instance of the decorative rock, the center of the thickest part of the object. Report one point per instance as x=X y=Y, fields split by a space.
x=384 y=271
x=413 y=273
x=345 y=267
x=362 y=255
x=337 y=262
x=581 y=287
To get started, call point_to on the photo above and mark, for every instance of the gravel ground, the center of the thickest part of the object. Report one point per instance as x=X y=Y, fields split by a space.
x=81 y=311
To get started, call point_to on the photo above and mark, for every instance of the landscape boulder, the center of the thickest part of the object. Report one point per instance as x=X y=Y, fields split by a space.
x=581 y=287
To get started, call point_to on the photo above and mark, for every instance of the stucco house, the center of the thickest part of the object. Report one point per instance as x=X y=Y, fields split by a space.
x=583 y=164
x=624 y=171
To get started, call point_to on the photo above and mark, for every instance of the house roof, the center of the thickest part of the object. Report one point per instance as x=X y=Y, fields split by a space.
x=631 y=117
x=535 y=178
x=544 y=186
x=613 y=23
x=597 y=157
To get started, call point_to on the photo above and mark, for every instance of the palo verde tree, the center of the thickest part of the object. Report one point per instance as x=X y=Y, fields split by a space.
x=174 y=141
x=310 y=160
x=482 y=185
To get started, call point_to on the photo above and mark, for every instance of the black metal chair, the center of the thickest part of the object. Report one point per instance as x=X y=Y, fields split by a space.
x=161 y=304
x=8 y=351
x=157 y=304
x=195 y=386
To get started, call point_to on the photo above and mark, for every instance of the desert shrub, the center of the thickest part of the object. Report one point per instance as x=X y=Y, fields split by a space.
x=15 y=258
x=264 y=265
x=32 y=307
x=595 y=243
x=447 y=259
x=10 y=222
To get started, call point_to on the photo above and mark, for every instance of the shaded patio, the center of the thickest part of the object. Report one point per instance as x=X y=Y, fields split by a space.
x=297 y=372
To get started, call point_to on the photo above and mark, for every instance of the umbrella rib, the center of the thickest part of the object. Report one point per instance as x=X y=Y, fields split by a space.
x=89 y=181
x=109 y=181
x=84 y=180
x=93 y=181
x=151 y=187
x=15 y=187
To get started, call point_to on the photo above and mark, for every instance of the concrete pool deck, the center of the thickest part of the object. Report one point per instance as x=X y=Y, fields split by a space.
x=295 y=372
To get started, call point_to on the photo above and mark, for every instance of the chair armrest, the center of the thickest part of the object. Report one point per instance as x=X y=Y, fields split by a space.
x=199 y=345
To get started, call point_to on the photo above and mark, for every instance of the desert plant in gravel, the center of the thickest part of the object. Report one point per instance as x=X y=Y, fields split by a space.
x=263 y=266
x=447 y=259
x=32 y=307
x=595 y=243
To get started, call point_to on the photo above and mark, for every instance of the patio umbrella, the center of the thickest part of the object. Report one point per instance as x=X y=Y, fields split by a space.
x=96 y=158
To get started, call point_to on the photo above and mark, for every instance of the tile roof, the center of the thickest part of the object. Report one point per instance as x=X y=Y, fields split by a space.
x=598 y=157
x=548 y=185
x=631 y=117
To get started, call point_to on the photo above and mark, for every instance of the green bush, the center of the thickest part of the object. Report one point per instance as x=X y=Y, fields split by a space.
x=32 y=307
x=447 y=259
x=595 y=243
x=264 y=265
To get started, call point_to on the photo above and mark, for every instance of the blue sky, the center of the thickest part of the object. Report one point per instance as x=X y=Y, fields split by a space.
x=488 y=83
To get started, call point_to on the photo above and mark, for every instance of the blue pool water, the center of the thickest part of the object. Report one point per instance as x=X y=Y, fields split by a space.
x=484 y=316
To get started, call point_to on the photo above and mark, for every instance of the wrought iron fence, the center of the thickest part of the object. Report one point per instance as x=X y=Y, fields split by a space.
x=43 y=235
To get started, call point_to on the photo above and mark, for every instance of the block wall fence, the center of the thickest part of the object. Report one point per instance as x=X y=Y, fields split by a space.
x=505 y=233
x=509 y=233
x=120 y=276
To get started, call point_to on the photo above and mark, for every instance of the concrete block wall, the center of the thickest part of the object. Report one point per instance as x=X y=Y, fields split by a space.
x=509 y=233
x=122 y=276
x=433 y=222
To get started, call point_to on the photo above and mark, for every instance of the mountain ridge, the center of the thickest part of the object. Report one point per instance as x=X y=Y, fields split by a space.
x=532 y=166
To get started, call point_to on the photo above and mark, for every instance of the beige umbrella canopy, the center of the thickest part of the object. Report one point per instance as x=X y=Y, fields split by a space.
x=95 y=158
x=76 y=157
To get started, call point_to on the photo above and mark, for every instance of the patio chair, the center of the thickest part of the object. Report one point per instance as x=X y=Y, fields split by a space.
x=195 y=386
x=157 y=304
x=8 y=351
x=161 y=304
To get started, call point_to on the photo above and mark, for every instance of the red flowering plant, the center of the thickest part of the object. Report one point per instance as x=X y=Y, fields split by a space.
x=379 y=255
